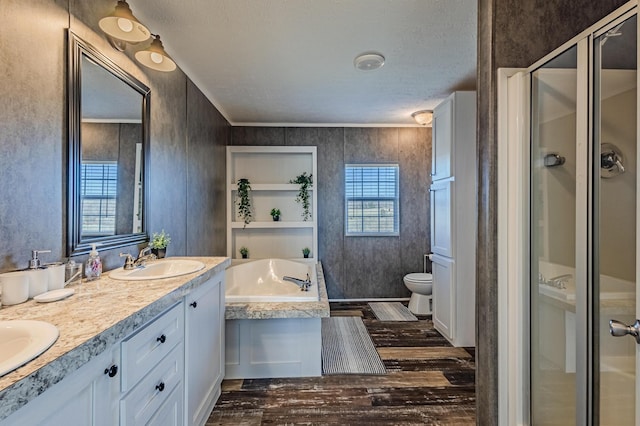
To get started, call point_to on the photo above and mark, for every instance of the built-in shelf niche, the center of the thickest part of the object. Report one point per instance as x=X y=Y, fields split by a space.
x=269 y=170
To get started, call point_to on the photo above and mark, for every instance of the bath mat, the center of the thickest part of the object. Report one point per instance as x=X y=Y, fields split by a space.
x=391 y=311
x=347 y=348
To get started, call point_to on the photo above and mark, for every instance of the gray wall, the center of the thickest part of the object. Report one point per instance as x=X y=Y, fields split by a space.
x=361 y=267
x=511 y=33
x=188 y=137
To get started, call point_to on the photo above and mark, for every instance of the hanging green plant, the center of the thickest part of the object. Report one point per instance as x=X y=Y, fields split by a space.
x=305 y=181
x=244 y=203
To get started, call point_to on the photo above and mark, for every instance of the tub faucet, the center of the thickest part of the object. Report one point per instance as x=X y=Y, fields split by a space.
x=303 y=284
x=560 y=281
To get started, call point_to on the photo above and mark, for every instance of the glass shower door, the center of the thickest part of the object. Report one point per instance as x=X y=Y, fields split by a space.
x=615 y=218
x=553 y=241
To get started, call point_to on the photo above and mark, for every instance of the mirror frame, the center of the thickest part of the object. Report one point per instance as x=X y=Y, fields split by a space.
x=75 y=245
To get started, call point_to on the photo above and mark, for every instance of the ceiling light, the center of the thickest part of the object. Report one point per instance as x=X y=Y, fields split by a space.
x=423 y=117
x=122 y=27
x=369 y=61
x=155 y=57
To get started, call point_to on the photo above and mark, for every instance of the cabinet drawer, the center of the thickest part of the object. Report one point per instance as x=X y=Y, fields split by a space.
x=147 y=347
x=150 y=395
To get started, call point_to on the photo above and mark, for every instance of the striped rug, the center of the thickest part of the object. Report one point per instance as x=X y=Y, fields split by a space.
x=347 y=348
x=391 y=311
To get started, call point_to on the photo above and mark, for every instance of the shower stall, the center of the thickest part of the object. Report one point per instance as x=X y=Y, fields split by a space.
x=569 y=243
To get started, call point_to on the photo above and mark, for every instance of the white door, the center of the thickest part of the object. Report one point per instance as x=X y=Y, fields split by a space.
x=442 y=155
x=441 y=219
x=444 y=296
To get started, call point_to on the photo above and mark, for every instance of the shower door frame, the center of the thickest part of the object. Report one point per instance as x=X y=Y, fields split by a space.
x=514 y=143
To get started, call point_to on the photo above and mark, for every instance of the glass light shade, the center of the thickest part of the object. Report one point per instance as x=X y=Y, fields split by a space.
x=424 y=117
x=123 y=26
x=155 y=57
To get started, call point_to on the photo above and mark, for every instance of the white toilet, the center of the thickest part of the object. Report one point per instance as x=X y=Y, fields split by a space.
x=420 y=285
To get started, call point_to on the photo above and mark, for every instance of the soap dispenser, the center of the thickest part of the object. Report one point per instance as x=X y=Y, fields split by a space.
x=93 y=267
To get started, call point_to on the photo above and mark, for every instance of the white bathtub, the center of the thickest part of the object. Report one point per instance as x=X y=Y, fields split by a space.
x=262 y=281
x=611 y=288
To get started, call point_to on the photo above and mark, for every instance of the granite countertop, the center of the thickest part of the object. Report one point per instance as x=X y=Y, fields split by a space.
x=268 y=310
x=97 y=316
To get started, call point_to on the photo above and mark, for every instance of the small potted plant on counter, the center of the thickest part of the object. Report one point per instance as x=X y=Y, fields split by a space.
x=305 y=252
x=159 y=243
x=244 y=252
x=275 y=214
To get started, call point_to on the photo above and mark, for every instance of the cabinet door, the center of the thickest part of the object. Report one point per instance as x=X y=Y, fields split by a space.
x=441 y=218
x=204 y=349
x=444 y=296
x=86 y=397
x=442 y=146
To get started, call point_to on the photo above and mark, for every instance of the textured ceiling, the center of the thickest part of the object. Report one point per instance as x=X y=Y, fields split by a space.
x=278 y=62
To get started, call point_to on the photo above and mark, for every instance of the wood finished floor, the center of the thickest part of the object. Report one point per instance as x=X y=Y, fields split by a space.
x=429 y=382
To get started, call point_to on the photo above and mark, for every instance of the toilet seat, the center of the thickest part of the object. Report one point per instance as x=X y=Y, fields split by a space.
x=419 y=277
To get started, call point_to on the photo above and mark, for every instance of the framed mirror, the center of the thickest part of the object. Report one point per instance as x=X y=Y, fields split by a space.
x=108 y=153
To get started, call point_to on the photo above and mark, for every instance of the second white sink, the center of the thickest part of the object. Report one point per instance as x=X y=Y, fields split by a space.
x=22 y=341
x=158 y=269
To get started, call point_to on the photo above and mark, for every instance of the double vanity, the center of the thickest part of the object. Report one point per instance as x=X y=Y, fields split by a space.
x=129 y=351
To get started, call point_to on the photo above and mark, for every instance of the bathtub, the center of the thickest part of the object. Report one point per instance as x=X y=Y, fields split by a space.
x=611 y=288
x=262 y=281
x=272 y=329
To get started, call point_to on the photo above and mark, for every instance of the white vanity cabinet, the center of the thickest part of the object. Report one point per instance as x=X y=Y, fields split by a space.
x=153 y=368
x=453 y=217
x=168 y=372
x=204 y=349
x=269 y=170
x=89 y=396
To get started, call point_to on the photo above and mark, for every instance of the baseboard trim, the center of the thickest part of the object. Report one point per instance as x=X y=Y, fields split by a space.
x=379 y=299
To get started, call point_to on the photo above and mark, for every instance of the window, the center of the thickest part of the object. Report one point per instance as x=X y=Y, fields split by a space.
x=98 y=188
x=371 y=200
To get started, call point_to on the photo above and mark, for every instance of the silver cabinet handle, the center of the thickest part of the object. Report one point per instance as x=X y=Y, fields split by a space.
x=619 y=329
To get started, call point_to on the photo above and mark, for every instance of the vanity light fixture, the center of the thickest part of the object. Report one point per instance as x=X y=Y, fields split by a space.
x=424 y=117
x=155 y=57
x=368 y=61
x=121 y=27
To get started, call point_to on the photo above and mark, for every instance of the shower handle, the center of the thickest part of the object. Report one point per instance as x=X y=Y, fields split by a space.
x=619 y=329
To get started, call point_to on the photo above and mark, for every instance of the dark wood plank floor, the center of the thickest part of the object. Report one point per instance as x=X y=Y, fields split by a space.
x=429 y=383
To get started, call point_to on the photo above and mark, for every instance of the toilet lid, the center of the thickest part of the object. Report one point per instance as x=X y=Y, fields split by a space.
x=418 y=276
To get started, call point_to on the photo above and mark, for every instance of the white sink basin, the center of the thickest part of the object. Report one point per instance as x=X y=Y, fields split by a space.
x=158 y=269
x=22 y=341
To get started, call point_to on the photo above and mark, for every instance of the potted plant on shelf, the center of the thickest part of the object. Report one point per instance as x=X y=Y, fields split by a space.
x=244 y=252
x=159 y=243
x=244 y=203
x=305 y=181
x=305 y=252
x=275 y=214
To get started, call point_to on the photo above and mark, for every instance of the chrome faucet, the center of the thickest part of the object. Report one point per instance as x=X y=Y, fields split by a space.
x=128 y=262
x=144 y=256
x=560 y=281
x=303 y=284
